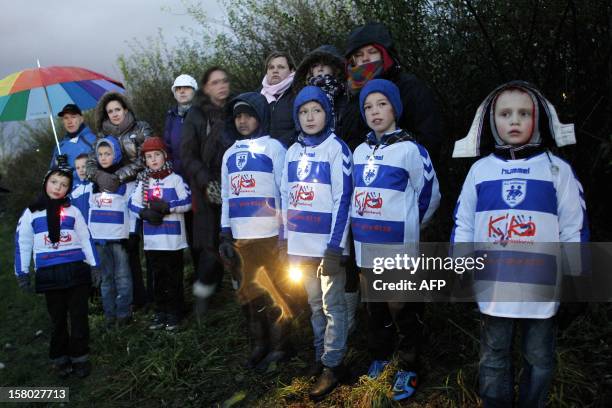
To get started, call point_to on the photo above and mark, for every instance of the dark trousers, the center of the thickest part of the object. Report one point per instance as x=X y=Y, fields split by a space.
x=63 y=304
x=395 y=328
x=167 y=270
x=210 y=270
x=194 y=252
x=141 y=296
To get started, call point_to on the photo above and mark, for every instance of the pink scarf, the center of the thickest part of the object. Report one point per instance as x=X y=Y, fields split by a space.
x=272 y=91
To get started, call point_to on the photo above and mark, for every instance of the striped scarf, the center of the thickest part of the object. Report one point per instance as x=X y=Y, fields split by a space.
x=147 y=174
x=359 y=75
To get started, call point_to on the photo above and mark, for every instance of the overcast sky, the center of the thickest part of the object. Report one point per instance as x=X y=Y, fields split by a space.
x=88 y=34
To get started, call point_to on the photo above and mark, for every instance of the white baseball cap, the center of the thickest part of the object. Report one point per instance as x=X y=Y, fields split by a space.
x=185 y=80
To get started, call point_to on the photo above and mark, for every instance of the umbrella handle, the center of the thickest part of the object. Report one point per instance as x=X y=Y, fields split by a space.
x=59 y=150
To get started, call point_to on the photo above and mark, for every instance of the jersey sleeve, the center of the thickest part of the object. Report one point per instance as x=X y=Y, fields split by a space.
x=425 y=183
x=465 y=210
x=183 y=202
x=87 y=244
x=278 y=160
x=284 y=189
x=24 y=243
x=225 y=221
x=135 y=203
x=342 y=189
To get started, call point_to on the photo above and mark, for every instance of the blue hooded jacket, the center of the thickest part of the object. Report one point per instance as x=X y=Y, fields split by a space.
x=115 y=147
x=313 y=94
x=260 y=105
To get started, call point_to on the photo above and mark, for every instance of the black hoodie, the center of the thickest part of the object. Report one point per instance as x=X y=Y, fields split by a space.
x=420 y=116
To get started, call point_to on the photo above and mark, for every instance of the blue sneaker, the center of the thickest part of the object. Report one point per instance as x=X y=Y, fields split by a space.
x=404 y=384
x=376 y=368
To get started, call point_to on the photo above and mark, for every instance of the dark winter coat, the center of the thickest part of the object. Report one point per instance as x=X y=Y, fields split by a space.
x=172 y=137
x=281 y=119
x=202 y=148
x=131 y=140
x=420 y=117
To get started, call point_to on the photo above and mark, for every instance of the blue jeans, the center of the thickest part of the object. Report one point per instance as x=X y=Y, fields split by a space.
x=329 y=320
x=496 y=370
x=116 y=285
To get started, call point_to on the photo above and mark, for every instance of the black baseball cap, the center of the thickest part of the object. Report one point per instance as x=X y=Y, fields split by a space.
x=70 y=108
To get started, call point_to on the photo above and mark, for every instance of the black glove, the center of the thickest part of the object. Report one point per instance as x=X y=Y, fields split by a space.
x=160 y=206
x=227 y=249
x=62 y=161
x=106 y=181
x=330 y=264
x=152 y=216
x=24 y=283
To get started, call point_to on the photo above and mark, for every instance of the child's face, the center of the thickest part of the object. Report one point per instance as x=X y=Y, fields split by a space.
x=246 y=124
x=320 y=69
x=379 y=113
x=81 y=165
x=155 y=159
x=105 y=156
x=514 y=117
x=312 y=118
x=57 y=186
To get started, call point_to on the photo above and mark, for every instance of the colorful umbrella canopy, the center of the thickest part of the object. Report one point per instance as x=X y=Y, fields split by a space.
x=22 y=94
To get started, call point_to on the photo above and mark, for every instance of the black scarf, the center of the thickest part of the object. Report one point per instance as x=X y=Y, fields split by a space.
x=507 y=152
x=328 y=84
x=54 y=209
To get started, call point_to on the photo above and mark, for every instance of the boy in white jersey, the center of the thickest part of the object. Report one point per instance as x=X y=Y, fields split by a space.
x=160 y=199
x=81 y=189
x=56 y=234
x=396 y=192
x=316 y=192
x=250 y=224
x=109 y=226
x=516 y=201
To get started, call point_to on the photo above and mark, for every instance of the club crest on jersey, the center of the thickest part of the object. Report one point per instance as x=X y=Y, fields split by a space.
x=514 y=191
x=369 y=173
x=241 y=159
x=303 y=169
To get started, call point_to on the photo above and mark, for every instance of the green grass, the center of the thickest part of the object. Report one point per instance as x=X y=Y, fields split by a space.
x=201 y=364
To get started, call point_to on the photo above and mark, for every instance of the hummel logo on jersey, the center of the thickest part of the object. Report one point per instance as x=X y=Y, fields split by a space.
x=515 y=170
x=514 y=191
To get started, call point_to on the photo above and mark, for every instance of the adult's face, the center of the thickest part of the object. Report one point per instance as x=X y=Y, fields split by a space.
x=366 y=54
x=72 y=122
x=277 y=70
x=217 y=88
x=183 y=94
x=115 y=112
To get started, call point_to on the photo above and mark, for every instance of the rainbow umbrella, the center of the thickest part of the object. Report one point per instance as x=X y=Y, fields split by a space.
x=41 y=92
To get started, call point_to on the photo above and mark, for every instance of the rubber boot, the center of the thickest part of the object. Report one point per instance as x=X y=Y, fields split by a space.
x=255 y=312
x=278 y=335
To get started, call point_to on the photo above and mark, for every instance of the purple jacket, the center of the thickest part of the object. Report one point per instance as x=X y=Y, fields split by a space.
x=172 y=137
